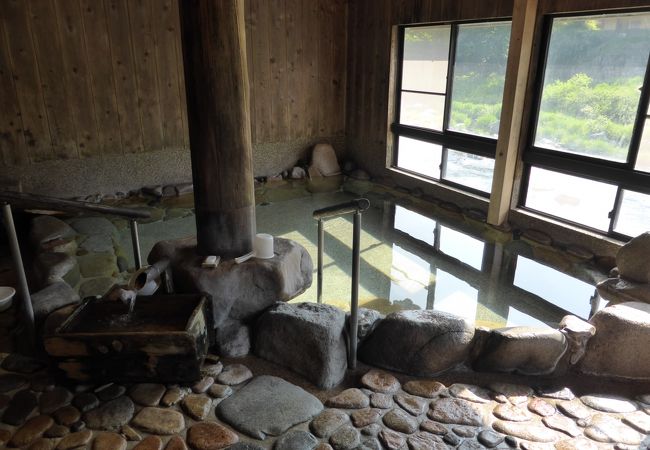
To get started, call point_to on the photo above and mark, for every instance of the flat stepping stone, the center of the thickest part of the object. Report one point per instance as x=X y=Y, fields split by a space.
x=109 y=441
x=411 y=404
x=398 y=420
x=563 y=424
x=327 y=422
x=67 y=415
x=159 y=421
x=515 y=393
x=31 y=430
x=253 y=409
x=392 y=440
x=574 y=409
x=85 y=401
x=110 y=416
x=380 y=381
x=210 y=436
x=541 y=407
x=352 y=398
x=382 y=401
x=149 y=443
x=424 y=388
x=173 y=396
x=234 y=374
x=426 y=441
x=177 y=443
x=75 y=440
x=490 y=438
x=455 y=411
x=470 y=393
x=220 y=391
x=527 y=431
x=197 y=406
x=609 y=404
x=295 y=440
x=11 y=381
x=20 y=407
x=54 y=399
x=345 y=438
x=603 y=428
x=512 y=413
x=364 y=417
x=147 y=394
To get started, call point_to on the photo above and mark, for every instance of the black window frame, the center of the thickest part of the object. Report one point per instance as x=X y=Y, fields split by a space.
x=620 y=174
x=447 y=139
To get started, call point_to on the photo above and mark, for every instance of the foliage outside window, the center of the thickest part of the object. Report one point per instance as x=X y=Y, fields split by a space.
x=449 y=101
x=589 y=157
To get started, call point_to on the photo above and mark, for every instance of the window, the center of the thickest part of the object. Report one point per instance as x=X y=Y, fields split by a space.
x=448 y=108
x=588 y=160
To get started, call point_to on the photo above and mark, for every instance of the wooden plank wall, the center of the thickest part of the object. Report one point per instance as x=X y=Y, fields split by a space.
x=88 y=78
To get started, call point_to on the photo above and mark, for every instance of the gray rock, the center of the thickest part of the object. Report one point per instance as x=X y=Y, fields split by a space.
x=578 y=332
x=345 y=438
x=392 y=440
x=490 y=438
x=53 y=297
x=92 y=226
x=323 y=161
x=245 y=446
x=48 y=228
x=398 y=420
x=296 y=440
x=20 y=407
x=364 y=417
x=530 y=432
x=327 y=422
x=85 y=401
x=352 y=398
x=52 y=400
x=96 y=286
x=15 y=362
x=412 y=404
x=563 y=424
x=609 y=403
x=232 y=338
x=52 y=267
x=618 y=348
x=239 y=291
x=162 y=421
x=360 y=174
x=308 y=338
x=382 y=401
x=604 y=428
x=98 y=243
x=234 y=374
x=184 y=188
x=298 y=173
x=632 y=259
x=110 y=416
x=98 y=264
x=169 y=190
x=456 y=411
x=424 y=388
x=368 y=319
x=426 y=441
x=638 y=420
x=268 y=406
x=418 y=342
x=147 y=394
x=574 y=408
x=380 y=381
x=155 y=190
x=526 y=350
x=619 y=290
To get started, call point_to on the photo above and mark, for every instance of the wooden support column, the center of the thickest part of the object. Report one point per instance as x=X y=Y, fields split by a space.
x=218 y=108
x=524 y=17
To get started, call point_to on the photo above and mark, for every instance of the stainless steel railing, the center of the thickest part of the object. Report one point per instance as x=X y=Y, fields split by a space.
x=355 y=207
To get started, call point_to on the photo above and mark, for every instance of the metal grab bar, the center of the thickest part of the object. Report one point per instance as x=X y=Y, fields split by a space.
x=34 y=201
x=355 y=207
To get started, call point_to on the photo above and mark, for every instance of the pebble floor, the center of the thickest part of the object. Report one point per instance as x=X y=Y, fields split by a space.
x=372 y=409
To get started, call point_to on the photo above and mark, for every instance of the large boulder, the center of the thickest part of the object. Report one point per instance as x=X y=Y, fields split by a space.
x=51 y=267
x=48 y=228
x=307 y=338
x=238 y=291
x=526 y=350
x=632 y=259
x=419 y=343
x=620 y=290
x=53 y=297
x=619 y=347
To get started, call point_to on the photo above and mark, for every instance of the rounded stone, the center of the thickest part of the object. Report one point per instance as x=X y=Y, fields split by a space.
x=541 y=407
x=352 y=398
x=425 y=441
x=490 y=438
x=197 y=406
x=85 y=401
x=159 y=421
x=382 y=401
x=130 y=434
x=42 y=444
x=527 y=431
x=398 y=420
x=512 y=413
x=367 y=416
x=220 y=390
x=327 y=422
x=147 y=394
x=210 y=436
x=296 y=440
x=234 y=374
x=74 y=440
x=110 y=391
x=411 y=404
x=109 y=441
x=67 y=415
x=424 y=388
x=380 y=381
x=56 y=431
x=203 y=385
x=31 y=430
x=464 y=432
x=212 y=370
x=611 y=404
x=515 y=393
x=173 y=396
x=574 y=409
x=111 y=415
x=149 y=443
x=176 y=443
x=433 y=427
x=563 y=424
x=604 y=428
x=470 y=393
x=392 y=440
x=345 y=438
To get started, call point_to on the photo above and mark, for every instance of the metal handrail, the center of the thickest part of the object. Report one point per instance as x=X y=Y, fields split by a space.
x=355 y=207
x=34 y=201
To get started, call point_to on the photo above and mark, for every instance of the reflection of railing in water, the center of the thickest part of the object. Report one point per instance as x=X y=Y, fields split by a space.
x=33 y=201
x=355 y=207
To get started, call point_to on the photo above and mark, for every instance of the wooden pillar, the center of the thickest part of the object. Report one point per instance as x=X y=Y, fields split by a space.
x=524 y=17
x=216 y=82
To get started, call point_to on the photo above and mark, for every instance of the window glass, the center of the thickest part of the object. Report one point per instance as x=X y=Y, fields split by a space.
x=590 y=94
x=479 y=74
x=469 y=170
x=426 y=53
x=573 y=198
x=420 y=157
x=643 y=158
x=422 y=110
x=634 y=216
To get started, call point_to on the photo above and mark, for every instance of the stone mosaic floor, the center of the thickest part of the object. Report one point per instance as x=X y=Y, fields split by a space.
x=238 y=408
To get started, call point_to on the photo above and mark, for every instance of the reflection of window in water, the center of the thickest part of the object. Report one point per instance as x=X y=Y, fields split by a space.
x=414 y=224
x=410 y=277
x=518 y=319
x=562 y=290
x=455 y=296
x=462 y=247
